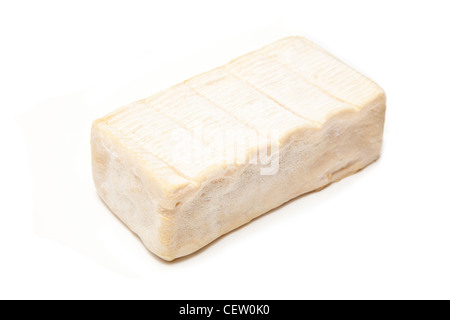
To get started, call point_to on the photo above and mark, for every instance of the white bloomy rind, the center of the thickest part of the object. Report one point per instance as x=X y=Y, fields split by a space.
x=179 y=168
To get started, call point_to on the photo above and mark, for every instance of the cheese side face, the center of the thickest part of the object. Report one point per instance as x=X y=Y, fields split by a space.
x=193 y=162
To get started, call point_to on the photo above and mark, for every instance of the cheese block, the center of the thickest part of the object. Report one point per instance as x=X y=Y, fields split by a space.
x=193 y=162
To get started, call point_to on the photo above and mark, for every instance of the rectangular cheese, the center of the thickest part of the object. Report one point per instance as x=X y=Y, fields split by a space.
x=193 y=162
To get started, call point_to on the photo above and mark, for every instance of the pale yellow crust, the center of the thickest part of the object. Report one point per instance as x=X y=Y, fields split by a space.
x=176 y=209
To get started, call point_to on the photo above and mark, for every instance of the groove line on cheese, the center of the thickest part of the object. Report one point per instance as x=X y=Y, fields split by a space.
x=273 y=99
x=315 y=84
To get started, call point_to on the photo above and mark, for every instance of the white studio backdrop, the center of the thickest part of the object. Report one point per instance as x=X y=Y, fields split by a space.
x=382 y=233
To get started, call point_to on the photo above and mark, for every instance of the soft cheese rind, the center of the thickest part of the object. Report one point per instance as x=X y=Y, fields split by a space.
x=329 y=119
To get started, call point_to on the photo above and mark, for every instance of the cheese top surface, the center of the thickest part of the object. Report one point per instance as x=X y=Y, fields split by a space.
x=185 y=133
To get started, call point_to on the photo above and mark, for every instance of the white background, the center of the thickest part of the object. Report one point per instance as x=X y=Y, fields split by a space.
x=382 y=233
